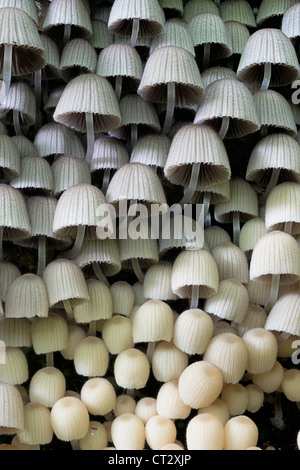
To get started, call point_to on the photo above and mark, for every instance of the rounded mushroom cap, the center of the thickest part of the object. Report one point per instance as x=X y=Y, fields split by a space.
x=91 y=357
x=169 y=403
x=174 y=33
x=241 y=432
x=98 y=395
x=53 y=139
x=193 y=330
x=96 y=438
x=98 y=307
x=27 y=296
x=15 y=370
x=159 y=431
x=281 y=207
x=37 y=425
x=290 y=21
x=131 y=369
x=205 y=432
x=153 y=321
x=288 y=321
x=11 y=409
x=262 y=350
x=238 y=10
x=157 y=282
x=117 y=334
x=77 y=56
x=128 y=432
x=35 y=175
x=232 y=262
x=69 y=419
x=20 y=99
x=10 y=159
x=168 y=361
x=109 y=152
x=13 y=214
x=49 y=334
x=47 y=385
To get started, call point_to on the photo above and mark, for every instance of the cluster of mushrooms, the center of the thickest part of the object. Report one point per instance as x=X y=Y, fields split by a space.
x=160 y=343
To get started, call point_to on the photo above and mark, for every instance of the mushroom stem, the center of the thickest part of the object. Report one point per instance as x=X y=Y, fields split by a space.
x=288 y=226
x=206 y=55
x=50 y=359
x=75 y=444
x=41 y=255
x=236 y=228
x=133 y=135
x=267 y=76
x=135 y=31
x=68 y=308
x=206 y=205
x=118 y=86
x=150 y=350
x=89 y=119
x=92 y=328
x=38 y=87
x=16 y=121
x=273 y=292
x=137 y=269
x=224 y=127
x=99 y=273
x=192 y=184
x=105 y=180
x=7 y=66
x=277 y=419
x=195 y=297
x=75 y=250
x=1 y=243
x=171 y=89
x=272 y=183
x=67 y=33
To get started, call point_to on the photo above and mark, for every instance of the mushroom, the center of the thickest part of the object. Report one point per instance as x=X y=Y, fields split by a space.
x=91 y=357
x=205 y=432
x=174 y=33
x=168 y=361
x=47 y=385
x=95 y=439
x=99 y=396
x=11 y=409
x=239 y=11
x=131 y=370
x=128 y=432
x=159 y=431
x=169 y=403
x=241 y=432
x=280 y=208
x=69 y=171
x=19 y=107
x=10 y=160
x=78 y=56
x=193 y=329
x=37 y=428
x=15 y=369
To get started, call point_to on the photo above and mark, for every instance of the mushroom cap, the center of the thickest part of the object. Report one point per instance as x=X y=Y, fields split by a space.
x=269 y=45
x=282 y=207
x=271 y=10
x=101 y=35
x=195 y=268
x=169 y=403
x=32 y=288
x=77 y=56
x=15 y=370
x=49 y=334
x=290 y=21
x=152 y=150
x=69 y=171
x=153 y=321
x=176 y=7
x=88 y=93
x=284 y=316
x=157 y=282
x=197 y=143
x=205 y=432
x=192 y=331
x=28 y=6
x=13 y=215
x=16 y=332
x=231 y=302
x=240 y=10
x=149 y=13
x=181 y=69
x=91 y=357
x=11 y=409
x=69 y=12
x=98 y=307
x=250 y=233
x=239 y=34
x=57 y=139
x=159 y=431
x=50 y=71
x=168 y=361
x=231 y=261
x=10 y=159
x=35 y=175
x=98 y=395
x=28 y=51
x=193 y=8
x=131 y=369
x=47 y=385
x=128 y=432
x=228 y=97
x=174 y=33
x=105 y=252
x=262 y=347
x=117 y=334
x=275 y=253
x=24 y=145
x=109 y=152
x=21 y=99
x=69 y=419
x=8 y=273
x=37 y=425
x=216 y=72
x=241 y=432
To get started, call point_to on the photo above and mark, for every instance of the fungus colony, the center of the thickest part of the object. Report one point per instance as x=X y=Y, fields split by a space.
x=149 y=342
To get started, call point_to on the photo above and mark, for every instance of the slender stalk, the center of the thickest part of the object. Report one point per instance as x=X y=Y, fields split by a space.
x=99 y=273
x=118 y=86
x=7 y=66
x=150 y=351
x=135 y=31
x=75 y=444
x=16 y=121
x=195 y=297
x=224 y=127
x=50 y=359
x=206 y=205
x=273 y=292
x=171 y=90
x=236 y=228
x=272 y=183
x=67 y=33
x=92 y=328
x=1 y=243
x=277 y=419
x=206 y=56
x=38 y=87
x=137 y=269
x=68 y=308
x=89 y=119
x=267 y=76
x=134 y=135
x=106 y=180
x=192 y=184
x=42 y=255
x=75 y=250
x=288 y=227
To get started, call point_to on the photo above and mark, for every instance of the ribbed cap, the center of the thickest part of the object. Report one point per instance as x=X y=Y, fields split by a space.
x=35 y=174
x=11 y=410
x=275 y=151
x=157 y=282
x=101 y=35
x=193 y=329
x=274 y=112
x=27 y=297
x=78 y=56
x=20 y=98
x=197 y=143
x=9 y=158
x=69 y=171
x=24 y=145
x=194 y=7
x=49 y=334
x=13 y=215
x=151 y=149
x=50 y=70
x=238 y=10
x=272 y=9
x=231 y=261
x=153 y=322
x=284 y=316
x=291 y=20
x=149 y=12
x=174 y=6
x=143 y=250
x=231 y=301
x=21 y=31
x=174 y=33
x=88 y=93
x=8 y=273
x=98 y=307
x=217 y=72
x=181 y=69
x=250 y=233
x=239 y=34
x=232 y=99
x=56 y=139
x=282 y=207
x=67 y=12
x=104 y=252
x=269 y=45
x=53 y=99
x=243 y=199
x=29 y=6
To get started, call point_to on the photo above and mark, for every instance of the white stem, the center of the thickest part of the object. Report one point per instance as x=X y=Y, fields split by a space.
x=267 y=76
x=150 y=351
x=224 y=127
x=273 y=292
x=134 y=135
x=92 y=328
x=206 y=56
x=106 y=179
x=89 y=119
x=50 y=359
x=38 y=87
x=192 y=184
x=99 y=273
x=118 y=86
x=137 y=269
x=41 y=255
x=171 y=89
x=206 y=205
x=1 y=243
x=236 y=228
x=67 y=33
x=68 y=308
x=288 y=227
x=272 y=183
x=7 y=66
x=16 y=121
x=135 y=31
x=195 y=297
x=75 y=250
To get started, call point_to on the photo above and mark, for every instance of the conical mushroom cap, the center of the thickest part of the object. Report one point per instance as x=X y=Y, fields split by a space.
x=174 y=33
x=273 y=9
x=101 y=35
x=13 y=214
x=109 y=152
x=78 y=56
x=27 y=297
x=243 y=199
x=282 y=207
x=195 y=268
x=240 y=10
x=21 y=31
x=69 y=171
x=35 y=174
x=208 y=28
x=275 y=253
x=105 y=252
x=181 y=69
x=10 y=165
x=269 y=45
x=239 y=34
x=290 y=21
x=285 y=314
x=275 y=151
x=69 y=12
x=11 y=409
x=88 y=93
x=121 y=60
x=229 y=98
x=217 y=72
x=274 y=112
x=151 y=149
x=21 y=99
x=65 y=281
x=50 y=71
x=193 y=8
x=78 y=205
x=192 y=144
x=135 y=181
x=150 y=14
x=57 y=139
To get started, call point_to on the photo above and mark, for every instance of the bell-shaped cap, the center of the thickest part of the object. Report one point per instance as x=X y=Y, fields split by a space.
x=32 y=288
x=35 y=175
x=282 y=207
x=238 y=10
x=69 y=171
x=13 y=214
x=11 y=409
x=78 y=56
x=54 y=139
x=10 y=158
x=284 y=316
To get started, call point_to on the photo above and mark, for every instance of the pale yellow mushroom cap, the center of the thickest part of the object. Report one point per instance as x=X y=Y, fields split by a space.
x=69 y=419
